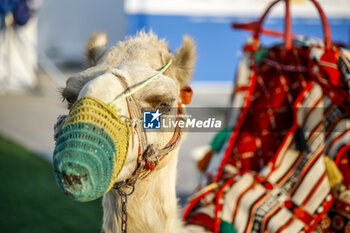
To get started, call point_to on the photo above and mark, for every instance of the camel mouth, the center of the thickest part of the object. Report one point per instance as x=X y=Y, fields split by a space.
x=91 y=150
x=71 y=179
x=84 y=161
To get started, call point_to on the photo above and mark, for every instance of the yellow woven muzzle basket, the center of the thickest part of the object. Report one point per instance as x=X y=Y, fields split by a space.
x=91 y=149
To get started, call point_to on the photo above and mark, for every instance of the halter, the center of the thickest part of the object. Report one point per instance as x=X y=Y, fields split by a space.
x=148 y=155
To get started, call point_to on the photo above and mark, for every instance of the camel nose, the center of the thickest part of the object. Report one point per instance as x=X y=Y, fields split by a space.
x=83 y=161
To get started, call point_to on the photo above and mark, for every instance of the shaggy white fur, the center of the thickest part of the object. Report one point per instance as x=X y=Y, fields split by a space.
x=153 y=207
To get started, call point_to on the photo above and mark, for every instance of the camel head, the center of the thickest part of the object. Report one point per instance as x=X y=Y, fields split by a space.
x=102 y=142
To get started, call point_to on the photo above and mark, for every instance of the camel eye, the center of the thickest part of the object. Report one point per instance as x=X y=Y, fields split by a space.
x=69 y=100
x=164 y=107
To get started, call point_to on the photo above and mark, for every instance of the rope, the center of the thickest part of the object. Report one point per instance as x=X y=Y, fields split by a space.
x=140 y=85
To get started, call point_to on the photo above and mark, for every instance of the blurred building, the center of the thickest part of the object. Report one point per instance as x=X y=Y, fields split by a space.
x=64 y=26
x=219 y=47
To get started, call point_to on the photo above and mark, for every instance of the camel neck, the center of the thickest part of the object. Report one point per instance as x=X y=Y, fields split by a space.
x=153 y=205
x=153 y=208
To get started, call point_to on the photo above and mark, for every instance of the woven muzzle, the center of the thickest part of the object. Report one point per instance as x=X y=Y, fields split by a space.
x=91 y=150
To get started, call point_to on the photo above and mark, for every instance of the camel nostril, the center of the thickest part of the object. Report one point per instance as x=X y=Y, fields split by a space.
x=77 y=178
x=71 y=180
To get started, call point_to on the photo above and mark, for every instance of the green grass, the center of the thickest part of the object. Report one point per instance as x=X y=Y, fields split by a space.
x=30 y=200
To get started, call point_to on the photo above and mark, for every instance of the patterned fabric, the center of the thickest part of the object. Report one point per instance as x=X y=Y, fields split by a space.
x=335 y=220
x=270 y=176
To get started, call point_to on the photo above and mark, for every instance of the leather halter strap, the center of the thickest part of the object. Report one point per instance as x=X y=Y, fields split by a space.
x=148 y=156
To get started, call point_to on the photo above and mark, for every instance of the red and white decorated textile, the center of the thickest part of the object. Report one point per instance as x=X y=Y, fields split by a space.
x=293 y=114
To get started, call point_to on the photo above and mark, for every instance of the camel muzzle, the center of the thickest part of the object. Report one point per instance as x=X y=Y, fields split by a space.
x=91 y=150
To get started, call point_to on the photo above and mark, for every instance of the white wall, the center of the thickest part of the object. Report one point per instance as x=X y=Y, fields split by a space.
x=65 y=25
x=300 y=8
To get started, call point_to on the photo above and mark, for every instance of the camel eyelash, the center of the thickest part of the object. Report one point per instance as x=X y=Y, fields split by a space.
x=164 y=107
x=69 y=100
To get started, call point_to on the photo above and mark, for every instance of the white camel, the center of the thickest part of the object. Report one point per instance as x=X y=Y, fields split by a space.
x=153 y=206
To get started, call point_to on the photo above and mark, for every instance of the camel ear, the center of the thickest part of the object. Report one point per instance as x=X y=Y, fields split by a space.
x=185 y=59
x=96 y=48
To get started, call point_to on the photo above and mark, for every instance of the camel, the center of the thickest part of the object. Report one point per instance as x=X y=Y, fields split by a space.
x=152 y=207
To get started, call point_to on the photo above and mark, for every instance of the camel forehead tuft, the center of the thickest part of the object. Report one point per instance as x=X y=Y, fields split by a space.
x=146 y=49
x=145 y=46
x=149 y=38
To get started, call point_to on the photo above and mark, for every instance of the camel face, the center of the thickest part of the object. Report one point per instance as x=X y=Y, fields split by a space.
x=102 y=140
